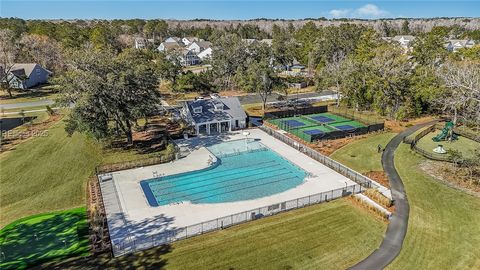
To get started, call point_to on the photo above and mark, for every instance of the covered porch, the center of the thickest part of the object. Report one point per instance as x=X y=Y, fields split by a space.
x=213 y=127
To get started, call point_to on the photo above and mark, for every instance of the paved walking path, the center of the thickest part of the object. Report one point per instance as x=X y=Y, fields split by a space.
x=397 y=228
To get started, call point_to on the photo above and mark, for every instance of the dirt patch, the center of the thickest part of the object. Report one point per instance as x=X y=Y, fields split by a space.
x=399 y=126
x=453 y=177
x=231 y=93
x=379 y=176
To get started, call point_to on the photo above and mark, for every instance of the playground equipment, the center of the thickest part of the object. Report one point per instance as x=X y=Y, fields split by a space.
x=446 y=131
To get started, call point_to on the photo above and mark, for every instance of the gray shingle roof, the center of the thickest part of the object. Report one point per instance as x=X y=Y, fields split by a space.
x=232 y=109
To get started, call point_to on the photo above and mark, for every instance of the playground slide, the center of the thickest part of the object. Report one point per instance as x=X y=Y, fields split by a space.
x=445 y=131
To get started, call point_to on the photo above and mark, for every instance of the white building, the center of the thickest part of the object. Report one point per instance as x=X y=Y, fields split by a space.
x=198 y=46
x=453 y=45
x=168 y=46
x=189 y=40
x=404 y=41
x=214 y=116
x=140 y=43
x=205 y=54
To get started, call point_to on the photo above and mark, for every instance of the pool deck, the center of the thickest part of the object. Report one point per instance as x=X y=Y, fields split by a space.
x=128 y=212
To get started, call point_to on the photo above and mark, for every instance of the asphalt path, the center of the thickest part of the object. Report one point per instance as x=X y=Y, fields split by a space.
x=397 y=228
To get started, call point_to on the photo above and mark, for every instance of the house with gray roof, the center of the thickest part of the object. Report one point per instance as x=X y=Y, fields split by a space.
x=215 y=115
x=198 y=46
x=453 y=45
x=27 y=75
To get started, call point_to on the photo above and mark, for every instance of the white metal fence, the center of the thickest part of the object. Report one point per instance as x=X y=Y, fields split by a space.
x=135 y=243
x=332 y=164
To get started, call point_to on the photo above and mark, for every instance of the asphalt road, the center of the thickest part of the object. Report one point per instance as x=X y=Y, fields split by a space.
x=27 y=104
x=397 y=228
x=255 y=98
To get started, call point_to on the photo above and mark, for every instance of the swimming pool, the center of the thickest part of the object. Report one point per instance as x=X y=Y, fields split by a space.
x=244 y=170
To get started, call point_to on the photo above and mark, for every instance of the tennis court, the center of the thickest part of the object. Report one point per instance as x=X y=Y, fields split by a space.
x=319 y=126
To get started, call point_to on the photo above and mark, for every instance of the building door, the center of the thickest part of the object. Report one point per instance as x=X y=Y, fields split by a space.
x=236 y=123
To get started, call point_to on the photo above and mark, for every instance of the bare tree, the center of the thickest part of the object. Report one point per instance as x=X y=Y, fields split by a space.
x=461 y=97
x=43 y=50
x=8 y=52
x=332 y=74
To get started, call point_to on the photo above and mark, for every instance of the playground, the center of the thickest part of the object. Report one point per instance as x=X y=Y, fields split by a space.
x=440 y=140
x=321 y=126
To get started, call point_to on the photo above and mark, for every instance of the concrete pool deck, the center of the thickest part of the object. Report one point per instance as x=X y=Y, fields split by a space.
x=129 y=214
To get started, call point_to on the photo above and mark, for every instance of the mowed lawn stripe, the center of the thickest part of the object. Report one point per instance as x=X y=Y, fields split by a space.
x=444 y=225
x=334 y=235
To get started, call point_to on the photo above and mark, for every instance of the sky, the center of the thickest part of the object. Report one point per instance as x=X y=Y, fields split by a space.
x=235 y=9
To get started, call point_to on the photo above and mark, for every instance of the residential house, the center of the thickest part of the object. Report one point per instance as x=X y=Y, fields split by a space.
x=297 y=68
x=189 y=40
x=198 y=46
x=404 y=41
x=249 y=41
x=267 y=41
x=168 y=46
x=214 y=116
x=173 y=39
x=453 y=45
x=205 y=54
x=188 y=58
x=140 y=43
x=25 y=76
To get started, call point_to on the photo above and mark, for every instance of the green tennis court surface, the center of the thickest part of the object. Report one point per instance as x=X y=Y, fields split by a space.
x=315 y=126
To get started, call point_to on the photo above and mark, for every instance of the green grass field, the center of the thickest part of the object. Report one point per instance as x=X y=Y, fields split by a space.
x=362 y=155
x=44 y=237
x=443 y=230
x=462 y=144
x=444 y=225
x=49 y=173
x=333 y=235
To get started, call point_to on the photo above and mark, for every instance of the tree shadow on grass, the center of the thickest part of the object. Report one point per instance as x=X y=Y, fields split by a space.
x=42 y=238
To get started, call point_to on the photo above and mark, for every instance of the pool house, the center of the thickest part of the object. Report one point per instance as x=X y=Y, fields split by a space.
x=215 y=115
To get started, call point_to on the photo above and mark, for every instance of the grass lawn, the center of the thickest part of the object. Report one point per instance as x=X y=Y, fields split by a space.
x=362 y=155
x=49 y=173
x=44 y=237
x=333 y=235
x=464 y=145
x=27 y=96
x=444 y=224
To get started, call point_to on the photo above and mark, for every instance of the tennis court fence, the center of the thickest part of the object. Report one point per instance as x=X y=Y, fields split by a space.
x=132 y=243
x=332 y=164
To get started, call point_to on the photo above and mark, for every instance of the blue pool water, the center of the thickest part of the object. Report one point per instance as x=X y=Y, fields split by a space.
x=243 y=171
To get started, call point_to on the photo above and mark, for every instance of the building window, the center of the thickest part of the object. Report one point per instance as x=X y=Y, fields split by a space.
x=197 y=110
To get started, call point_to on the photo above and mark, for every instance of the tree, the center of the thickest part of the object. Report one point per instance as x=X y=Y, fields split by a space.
x=168 y=68
x=461 y=95
x=389 y=82
x=283 y=46
x=261 y=78
x=109 y=91
x=230 y=55
x=332 y=75
x=405 y=28
x=8 y=53
x=42 y=50
x=428 y=49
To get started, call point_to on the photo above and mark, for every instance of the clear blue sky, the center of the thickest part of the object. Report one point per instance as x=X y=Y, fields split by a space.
x=224 y=9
